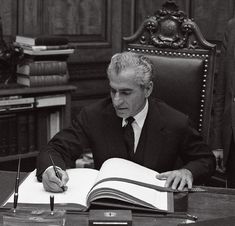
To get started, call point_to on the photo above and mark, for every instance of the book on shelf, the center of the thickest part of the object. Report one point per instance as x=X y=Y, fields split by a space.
x=12 y=134
x=34 y=68
x=55 y=57
x=13 y=97
x=31 y=132
x=53 y=123
x=42 y=47
x=42 y=80
x=48 y=52
x=22 y=133
x=12 y=102
x=51 y=100
x=118 y=181
x=49 y=40
x=4 y=135
x=42 y=128
x=16 y=104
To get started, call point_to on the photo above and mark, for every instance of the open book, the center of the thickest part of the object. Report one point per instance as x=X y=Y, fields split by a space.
x=117 y=180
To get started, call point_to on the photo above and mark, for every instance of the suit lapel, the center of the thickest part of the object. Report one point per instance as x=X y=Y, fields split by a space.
x=154 y=132
x=113 y=134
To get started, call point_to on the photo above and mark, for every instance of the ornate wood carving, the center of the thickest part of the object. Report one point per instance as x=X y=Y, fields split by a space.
x=169 y=28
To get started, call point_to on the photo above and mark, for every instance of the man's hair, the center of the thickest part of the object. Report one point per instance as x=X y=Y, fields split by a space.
x=125 y=60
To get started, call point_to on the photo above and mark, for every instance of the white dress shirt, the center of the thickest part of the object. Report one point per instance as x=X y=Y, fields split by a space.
x=138 y=124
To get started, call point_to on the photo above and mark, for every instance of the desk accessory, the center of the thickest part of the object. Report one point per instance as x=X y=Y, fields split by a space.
x=52 y=204
x=16 y=194
x=34 y=217
x=110 y=217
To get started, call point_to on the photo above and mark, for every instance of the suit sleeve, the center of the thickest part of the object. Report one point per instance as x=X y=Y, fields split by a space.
x=66 y=146
x=196 y=155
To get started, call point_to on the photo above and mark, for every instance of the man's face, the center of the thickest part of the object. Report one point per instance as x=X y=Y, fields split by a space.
x=127 y=96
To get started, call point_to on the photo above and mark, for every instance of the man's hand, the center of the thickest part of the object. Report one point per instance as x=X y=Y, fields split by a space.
x=177 y=179
x=219 y=156
x=52 y=183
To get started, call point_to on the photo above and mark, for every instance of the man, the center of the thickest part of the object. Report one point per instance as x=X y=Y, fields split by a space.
x=224 y=107
x=160 y=133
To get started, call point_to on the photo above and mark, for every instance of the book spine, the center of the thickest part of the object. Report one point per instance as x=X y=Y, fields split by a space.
x=59 y=57
x=43 y=68
x=41 y=40
x=22 y=133
x=56 y=47
x=42 y=47
x=42 y=129
x=48 y=52
x=43 y=80
x=4 y=135
x=12 y=135
x=54 y=123
x=31 y=132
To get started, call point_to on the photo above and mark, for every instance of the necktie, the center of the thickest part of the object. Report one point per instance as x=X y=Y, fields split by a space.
x=129 y=136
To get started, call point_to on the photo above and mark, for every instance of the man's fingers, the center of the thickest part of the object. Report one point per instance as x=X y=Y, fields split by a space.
x=162 y=176
x=169 y=180
x=51 y=185
x=64 y=177
x=175 y=181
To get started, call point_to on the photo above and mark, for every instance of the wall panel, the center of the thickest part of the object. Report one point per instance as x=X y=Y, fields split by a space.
x=96 y=27
x=211 y=16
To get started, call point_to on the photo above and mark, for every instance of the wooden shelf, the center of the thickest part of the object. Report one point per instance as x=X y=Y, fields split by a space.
x=21 y=90
x=27 y=130
x=15 y=157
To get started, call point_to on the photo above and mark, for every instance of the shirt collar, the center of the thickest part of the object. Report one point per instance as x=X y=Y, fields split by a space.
x=140 y=117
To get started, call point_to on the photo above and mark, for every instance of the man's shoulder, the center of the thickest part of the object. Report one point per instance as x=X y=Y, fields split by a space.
x=99 y=106
x=169 y=115
x=165 y=108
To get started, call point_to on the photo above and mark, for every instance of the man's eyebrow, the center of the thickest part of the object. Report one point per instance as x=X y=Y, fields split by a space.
x=122 y=90
x=125 y=89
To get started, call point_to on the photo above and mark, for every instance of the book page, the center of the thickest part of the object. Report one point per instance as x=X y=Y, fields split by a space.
x=131 y=193
x=121 y=168
x=146 y=193
x=80 y=182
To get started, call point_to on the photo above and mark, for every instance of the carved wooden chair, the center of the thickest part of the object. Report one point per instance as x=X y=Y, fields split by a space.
x=183 y=62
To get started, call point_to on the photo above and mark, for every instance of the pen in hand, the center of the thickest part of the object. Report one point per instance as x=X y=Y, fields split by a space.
x=56 y=171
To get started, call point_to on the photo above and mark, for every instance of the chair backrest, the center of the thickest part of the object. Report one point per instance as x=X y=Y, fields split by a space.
x=183 y=62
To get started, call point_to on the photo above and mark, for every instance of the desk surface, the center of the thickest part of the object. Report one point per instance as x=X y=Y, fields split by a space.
x=214 y=203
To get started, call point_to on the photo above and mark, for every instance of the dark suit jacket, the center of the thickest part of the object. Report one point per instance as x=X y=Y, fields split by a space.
x=166 y=135
x=224 y=106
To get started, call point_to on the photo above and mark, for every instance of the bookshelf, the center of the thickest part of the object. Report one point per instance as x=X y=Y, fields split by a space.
x=29 y=117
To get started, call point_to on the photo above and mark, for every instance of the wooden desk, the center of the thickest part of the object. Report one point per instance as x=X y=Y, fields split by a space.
x=215 y=203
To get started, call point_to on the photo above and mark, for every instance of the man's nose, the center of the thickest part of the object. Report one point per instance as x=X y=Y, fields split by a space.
x=117 y=99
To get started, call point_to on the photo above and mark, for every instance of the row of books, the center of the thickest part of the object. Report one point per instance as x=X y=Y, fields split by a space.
x=51 y=68
x=42 y=73
x=27 y=132
x=24 y=131
x=18 y=136
x=44 y=45
x=19 y=102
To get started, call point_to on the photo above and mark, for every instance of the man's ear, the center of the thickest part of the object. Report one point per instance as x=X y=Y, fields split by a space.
x=149 y=89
